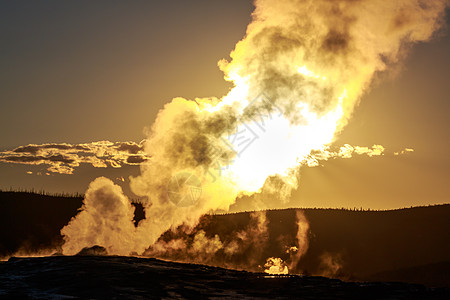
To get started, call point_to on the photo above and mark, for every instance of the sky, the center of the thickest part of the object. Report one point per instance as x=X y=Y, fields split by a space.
x=83 y=72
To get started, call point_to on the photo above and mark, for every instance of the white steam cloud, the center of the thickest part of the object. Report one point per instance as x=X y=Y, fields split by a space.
x=298 y=74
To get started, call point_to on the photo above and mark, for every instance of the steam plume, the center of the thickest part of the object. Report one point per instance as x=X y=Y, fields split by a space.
x=298 y=74
x=276 y=266
x=231 y=252
x=302 y=240
x=106 y=219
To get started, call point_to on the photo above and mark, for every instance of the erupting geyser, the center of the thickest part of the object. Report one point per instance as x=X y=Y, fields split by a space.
x=298 y=74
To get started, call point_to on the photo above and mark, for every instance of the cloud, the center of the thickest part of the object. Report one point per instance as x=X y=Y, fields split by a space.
x=63 y=158
x=346 y=151
x=404 y=151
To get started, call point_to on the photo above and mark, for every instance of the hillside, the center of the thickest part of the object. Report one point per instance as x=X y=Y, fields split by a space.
x=411 y=245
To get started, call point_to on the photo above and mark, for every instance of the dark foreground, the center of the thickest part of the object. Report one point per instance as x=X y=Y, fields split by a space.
x=407 y=245
x=109 y=277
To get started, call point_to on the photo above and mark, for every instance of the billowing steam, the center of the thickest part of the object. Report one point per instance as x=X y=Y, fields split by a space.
x=297 y=74
x=276 y=266
x=298 y=251
x=244 y=249
x=106 y=219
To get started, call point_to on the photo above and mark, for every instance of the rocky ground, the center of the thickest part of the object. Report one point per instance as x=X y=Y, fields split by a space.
x=114 y=277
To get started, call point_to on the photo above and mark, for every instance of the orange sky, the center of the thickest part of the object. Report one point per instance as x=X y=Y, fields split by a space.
x=78 y=73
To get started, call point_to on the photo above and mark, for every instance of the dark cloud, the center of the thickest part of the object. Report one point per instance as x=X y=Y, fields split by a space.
x=38 y=158
x=26 y=149
x=135 y=160
x=64 y=158
x=60 y=158
x=23 y=159
x=129 y=147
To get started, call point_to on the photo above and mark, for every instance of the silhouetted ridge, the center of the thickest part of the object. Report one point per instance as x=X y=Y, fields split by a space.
x=410 y=244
